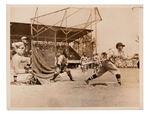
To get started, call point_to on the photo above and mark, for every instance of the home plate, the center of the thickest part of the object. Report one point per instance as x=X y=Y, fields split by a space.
x=105 y=84
x=106 y=79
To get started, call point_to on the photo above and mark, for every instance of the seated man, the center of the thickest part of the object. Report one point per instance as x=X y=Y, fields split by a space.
x=19 y=61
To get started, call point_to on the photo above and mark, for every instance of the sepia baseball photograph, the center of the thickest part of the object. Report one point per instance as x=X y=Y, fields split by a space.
x=74 y=57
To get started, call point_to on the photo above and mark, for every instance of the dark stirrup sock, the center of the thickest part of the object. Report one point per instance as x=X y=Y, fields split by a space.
x=92 y=77
x=55 y=75
x=70 y=76
x=118 y=77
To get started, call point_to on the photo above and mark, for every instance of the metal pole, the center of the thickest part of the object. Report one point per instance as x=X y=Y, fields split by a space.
x=55 y=40
x=95 y=32
x=31 y=28
x=31 y=34
x=91 y=24
x=50 y=13
x=31 y=43
x=66 y=33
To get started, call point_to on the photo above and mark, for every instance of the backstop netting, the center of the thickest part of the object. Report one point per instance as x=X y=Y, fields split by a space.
x=55 y=29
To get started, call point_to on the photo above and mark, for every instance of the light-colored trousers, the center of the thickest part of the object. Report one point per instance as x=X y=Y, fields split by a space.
x=108 y=66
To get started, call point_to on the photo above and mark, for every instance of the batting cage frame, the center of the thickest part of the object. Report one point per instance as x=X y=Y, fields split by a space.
x=58 y=33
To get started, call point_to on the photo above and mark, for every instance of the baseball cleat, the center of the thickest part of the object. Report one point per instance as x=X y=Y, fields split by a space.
x=87 y=81
x=52 y=80
x=119 y=83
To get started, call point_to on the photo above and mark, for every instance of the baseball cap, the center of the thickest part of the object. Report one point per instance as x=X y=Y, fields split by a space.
x=119 y=44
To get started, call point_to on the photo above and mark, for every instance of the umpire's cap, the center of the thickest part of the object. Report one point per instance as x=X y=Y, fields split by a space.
x=119 y=44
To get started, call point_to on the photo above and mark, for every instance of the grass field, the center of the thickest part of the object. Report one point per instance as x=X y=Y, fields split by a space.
x=102 y=92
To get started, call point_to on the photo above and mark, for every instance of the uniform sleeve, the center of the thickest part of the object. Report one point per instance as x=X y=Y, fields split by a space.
x=125 y=56
x=111 y=53
x=121 y=55
x=60 y=58
x=25 y=59
x=55 y=61
x=17 y=44
x=81 y=59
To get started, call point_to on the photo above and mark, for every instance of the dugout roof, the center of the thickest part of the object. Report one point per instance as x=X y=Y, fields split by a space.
x=24 y=29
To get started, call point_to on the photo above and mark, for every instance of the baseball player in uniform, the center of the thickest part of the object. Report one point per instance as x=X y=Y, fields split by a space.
x=83 y=62
x=17 y=61
x=61 y=66
x=96 y=60
x=107 y=64
x=21 y=55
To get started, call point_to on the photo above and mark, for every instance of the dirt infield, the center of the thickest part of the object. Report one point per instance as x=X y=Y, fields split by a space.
x=102 y=92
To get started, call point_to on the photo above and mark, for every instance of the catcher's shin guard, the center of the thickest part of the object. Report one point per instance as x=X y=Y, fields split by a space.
x=91 y=78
